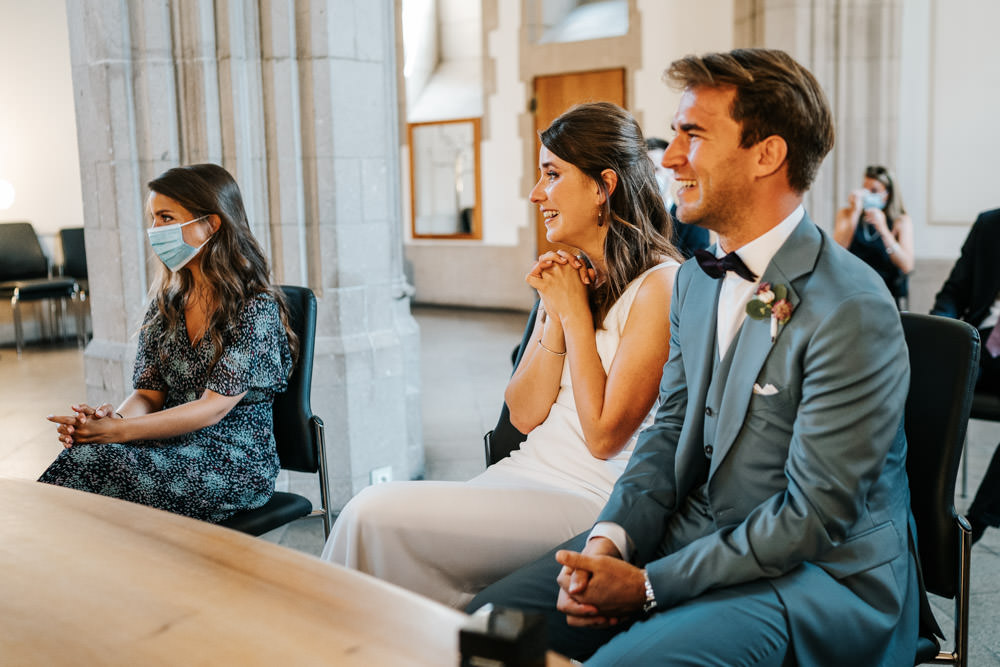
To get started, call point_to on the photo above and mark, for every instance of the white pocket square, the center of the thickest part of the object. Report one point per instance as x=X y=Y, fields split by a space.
x=766 y=390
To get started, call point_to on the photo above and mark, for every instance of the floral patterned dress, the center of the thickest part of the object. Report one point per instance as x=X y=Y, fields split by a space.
x=215 y=471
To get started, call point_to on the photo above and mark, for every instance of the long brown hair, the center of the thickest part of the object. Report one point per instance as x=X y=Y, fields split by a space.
x=598 y=136
x=232 y=261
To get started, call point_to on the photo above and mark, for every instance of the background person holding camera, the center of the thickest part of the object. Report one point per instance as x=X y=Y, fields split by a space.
x=876 y=228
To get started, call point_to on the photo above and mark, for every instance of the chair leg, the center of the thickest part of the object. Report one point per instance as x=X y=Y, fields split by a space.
x=324 y=491
x=43 y=310
x=961 y=653
x=46 y=310
x=15 y=306
x=59 y=309
x=81 y=317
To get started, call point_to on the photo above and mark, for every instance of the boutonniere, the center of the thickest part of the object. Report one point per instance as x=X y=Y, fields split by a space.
x=770 y=301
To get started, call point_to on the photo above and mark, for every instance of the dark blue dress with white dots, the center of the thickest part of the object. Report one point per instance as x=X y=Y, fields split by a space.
x=215 y=471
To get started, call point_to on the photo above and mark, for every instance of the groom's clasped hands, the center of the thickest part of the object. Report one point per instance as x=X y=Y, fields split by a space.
x=596 y=587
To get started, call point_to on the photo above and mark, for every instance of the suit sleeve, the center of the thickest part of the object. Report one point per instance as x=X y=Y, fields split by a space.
x=956 y=293
x=646 y=493
x=846 y=423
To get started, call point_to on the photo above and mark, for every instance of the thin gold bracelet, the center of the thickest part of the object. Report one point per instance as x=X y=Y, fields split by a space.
x=549 y=349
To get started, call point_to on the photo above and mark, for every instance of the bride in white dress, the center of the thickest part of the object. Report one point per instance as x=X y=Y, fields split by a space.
x=586 y=382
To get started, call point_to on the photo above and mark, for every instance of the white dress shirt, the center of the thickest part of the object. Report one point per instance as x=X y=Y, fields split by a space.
x=735 y=293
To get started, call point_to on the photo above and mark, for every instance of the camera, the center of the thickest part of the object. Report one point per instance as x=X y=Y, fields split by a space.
x=501 y=637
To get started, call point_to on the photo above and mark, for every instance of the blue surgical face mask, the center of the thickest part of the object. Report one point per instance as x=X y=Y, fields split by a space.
x=169 y=245
x=872 y=200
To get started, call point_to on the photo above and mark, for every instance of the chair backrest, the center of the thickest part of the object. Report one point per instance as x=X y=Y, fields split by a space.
x=944 y=356
x=74 y=252
x=21 y=254
x=292 y=411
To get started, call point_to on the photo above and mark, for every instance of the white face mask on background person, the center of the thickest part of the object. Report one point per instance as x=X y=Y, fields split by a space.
x=169 y=245
x=873 y=200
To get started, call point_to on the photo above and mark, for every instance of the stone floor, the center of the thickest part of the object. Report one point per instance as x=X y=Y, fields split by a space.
x=466 y=361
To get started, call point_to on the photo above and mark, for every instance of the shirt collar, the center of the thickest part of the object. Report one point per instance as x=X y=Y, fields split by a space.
x=758 y=253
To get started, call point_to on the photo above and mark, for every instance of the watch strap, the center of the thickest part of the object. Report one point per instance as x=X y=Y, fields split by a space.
x=650 y=603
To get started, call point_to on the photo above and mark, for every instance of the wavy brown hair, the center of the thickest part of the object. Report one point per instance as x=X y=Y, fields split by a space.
x=598 y=136
x=235 y=267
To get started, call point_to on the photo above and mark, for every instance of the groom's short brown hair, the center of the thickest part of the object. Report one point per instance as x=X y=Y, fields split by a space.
x=775 y=95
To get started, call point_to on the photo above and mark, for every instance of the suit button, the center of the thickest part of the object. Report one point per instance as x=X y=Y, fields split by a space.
x=708 y=411
x=708 y=450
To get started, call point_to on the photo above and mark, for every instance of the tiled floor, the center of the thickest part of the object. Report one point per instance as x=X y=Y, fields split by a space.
x=466 y=361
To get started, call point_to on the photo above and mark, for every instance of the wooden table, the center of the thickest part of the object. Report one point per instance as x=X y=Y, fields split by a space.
x=86 y=579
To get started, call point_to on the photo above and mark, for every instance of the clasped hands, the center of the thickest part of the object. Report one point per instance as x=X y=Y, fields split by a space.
x=596 y=587
x=562 y=280
x=87 y=425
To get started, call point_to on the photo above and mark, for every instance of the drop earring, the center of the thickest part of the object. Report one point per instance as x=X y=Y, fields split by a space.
x=600 y=218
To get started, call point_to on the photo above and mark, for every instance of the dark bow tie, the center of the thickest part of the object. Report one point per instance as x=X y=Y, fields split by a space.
x=716 y=267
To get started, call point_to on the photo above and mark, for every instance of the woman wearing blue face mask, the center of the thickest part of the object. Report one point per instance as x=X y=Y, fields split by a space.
x=875 y=227
x=195 y=437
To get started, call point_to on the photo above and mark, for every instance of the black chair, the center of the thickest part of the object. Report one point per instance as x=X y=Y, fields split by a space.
x=300 y=435
x=504 y=438
x=944 y=356
x=74 y=256
x=75 y=266
x=25 y=274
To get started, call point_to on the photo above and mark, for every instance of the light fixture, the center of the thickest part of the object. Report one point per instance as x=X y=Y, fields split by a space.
x=6 y=194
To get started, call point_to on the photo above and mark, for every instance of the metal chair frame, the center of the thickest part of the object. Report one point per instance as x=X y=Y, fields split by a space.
x=30 y=279
x=300 y=435
x=944 y=355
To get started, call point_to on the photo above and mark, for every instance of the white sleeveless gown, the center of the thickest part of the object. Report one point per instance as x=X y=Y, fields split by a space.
x=449 y=540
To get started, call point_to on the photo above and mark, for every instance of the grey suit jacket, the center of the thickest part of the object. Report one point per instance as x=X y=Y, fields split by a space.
x=806 y=487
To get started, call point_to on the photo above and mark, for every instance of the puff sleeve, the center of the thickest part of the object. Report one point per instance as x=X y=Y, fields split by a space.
x=257 y=356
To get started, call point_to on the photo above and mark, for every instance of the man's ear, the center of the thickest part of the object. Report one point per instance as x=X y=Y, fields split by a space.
x=771 y=154
x=610 y=178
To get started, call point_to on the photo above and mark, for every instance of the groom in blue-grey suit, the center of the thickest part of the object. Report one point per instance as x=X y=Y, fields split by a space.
x=764 y=517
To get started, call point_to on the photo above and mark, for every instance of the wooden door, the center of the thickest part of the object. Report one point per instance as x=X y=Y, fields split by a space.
x=556 y=93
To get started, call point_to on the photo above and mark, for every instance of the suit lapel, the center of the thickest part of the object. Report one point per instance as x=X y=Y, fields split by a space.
x=796 y=258
x=699 y=345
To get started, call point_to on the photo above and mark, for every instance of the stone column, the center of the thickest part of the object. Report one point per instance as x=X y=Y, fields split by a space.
x=297 y=98
x=853 y=47
x=115 y=148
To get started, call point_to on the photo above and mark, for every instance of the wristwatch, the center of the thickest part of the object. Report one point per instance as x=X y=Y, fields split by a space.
x=650 y=603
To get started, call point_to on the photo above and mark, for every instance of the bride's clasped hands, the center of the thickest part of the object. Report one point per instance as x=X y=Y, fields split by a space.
x=562 y=281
